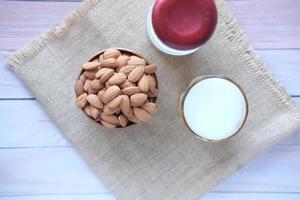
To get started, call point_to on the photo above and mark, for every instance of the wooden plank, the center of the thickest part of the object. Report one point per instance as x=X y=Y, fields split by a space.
x=25 y=124
x=209 y=196
x=44 y=171
x=32 y=171
x=283 y=63
x=268 y=23
x=102 y=196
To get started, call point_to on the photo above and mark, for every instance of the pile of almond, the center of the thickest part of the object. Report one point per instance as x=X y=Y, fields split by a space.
x=117 y=89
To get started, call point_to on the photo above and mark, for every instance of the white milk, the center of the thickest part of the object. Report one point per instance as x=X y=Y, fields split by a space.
x=215 y=108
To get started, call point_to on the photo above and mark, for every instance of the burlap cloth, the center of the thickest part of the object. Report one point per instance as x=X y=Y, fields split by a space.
x=159 y=159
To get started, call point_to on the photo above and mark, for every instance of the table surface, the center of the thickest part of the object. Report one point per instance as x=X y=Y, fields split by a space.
x=37 y=162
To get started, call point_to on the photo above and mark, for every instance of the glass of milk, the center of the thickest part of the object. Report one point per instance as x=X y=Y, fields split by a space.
x=214 y=108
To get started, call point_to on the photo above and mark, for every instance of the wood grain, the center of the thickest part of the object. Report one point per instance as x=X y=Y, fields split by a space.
x=64 y=172
x=268 y=23
x=209 y=196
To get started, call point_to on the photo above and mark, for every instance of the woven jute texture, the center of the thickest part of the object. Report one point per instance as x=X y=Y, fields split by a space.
x=159 y=159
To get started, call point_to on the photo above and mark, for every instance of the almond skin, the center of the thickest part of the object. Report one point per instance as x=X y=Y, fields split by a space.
x=131 y=90
x=123 y=121
x=122 y=61
x=115 y=102
x=111 y=119
x=111 y=53
x=90 y=65
x=127 y=69
x=96 y=84
x=94 y=101
x=136 y=74
x=127 y=83
x=78 y=88
x=116 y=79
x=90 y=74
x=150 y=69
x=101 y=72
x=136 y=61
x=152 y=82
x=141 y=114
x=108 y=111
x=144 y=84
x=109 y=63
x=111 y=93
x=82 y=78
x=107 y=75
x=150 y=107
x=81 y=100
x=125 y=105
x=134 y=118
x=92 y=90
x=108 y=125
x=101 y=94
x=86 y=85
x=94 y=112
x=138 y=99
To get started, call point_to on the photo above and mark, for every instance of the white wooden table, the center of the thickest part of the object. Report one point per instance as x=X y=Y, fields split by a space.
x=37 y=162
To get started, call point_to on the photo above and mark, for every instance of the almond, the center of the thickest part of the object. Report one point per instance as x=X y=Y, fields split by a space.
x=123 y=120
x=136 y=74
x=108 y=111
x=111 y=53
x=107 y=85
x=131 y=90
x=111 y=93
x=152 y=82
x=150 y=107
x=125 y=105
x=92 y=90
x=141 y=114
x=122 y=61
x=94 y=112
x=100 y=94
x=101 y=58
x=81 y=100
x=134 y=118
x=96 y=84
x=86 y=85
x=109 y=63
x=82 y=78
x=144 y=84
x=112 y=119
x=153 y=93
x=107 y=75
x=95 y=60
x=138 y=99
x=127 y=69
x=117 y=78
x=127 y=83
x=78 y=88
x=102 y=71
x=87 y=110
x=94 y=101
x=90 y=74
x=150 y=69
x=108 y=125
x=90 y=65
x=115 y=102
x=136 y=61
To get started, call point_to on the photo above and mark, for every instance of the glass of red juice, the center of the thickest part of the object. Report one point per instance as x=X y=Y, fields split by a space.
x=181 y=27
